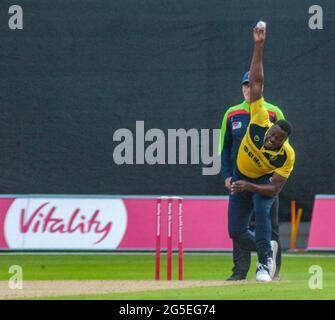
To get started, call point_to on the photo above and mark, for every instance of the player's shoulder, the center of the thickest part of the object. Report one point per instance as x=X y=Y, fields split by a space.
x=289 y=150
x=242 y=107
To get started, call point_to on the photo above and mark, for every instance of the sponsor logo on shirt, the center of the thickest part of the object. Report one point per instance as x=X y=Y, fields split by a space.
x=273 y=158
x=252 y=156
x=237 y=125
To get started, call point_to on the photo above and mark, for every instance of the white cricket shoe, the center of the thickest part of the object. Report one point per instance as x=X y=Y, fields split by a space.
x=263 y=273
x=272 y=264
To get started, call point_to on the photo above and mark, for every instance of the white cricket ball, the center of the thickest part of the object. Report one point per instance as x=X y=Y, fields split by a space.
x=261 y=25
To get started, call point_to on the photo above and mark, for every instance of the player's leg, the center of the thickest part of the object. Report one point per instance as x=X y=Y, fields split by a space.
x=241 y=260
x=274 y=214
x=262 y=207
x=239 y=209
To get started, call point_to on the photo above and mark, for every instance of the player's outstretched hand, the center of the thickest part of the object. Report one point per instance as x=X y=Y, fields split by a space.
x=259 y=35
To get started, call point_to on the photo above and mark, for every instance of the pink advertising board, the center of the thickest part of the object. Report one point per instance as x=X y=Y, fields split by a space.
x=322 y=230
x=109 y=223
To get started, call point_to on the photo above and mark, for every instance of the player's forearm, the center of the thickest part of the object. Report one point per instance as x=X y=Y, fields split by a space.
x=256 y=73
x=266 y=190
x=256 y=68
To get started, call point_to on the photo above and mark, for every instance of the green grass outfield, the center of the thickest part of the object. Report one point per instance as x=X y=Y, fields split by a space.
x=294 y=282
